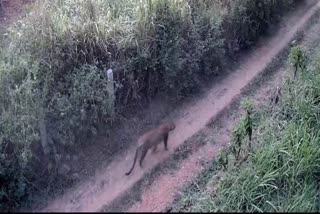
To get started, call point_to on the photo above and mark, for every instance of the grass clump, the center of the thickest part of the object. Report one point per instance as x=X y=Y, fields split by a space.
x=54 y=90
x=282 y=172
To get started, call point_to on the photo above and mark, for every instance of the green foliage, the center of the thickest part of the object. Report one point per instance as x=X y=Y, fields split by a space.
x=247 y=105
x=297 y=59
x=13 y=186
x=242 y=129
x=77 y=112
x=222 y=159
x=17 y=132
x=282 y=175
x=247 y=20
x=237 y=135
x=72 y=115
x=53 y=89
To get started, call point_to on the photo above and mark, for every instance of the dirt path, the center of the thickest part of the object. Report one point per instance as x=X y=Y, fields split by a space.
x=260 y=92
x=110 y=183
x=12 y=11
x=163 y=191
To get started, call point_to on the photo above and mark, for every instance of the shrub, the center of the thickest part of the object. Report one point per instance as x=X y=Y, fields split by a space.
x=282 y=174
x=53 y=89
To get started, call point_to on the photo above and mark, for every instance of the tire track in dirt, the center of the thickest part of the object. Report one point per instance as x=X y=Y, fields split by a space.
x=108 y=184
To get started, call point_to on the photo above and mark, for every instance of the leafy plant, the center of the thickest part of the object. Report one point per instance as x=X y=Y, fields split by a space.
x=297 y=59
x=248 y=106
x=282 y=174
x=222 y=159
x=242 y=129
x=53 y=90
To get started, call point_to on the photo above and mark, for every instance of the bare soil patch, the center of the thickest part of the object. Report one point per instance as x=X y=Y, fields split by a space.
x=12 y=11
x=109 y=182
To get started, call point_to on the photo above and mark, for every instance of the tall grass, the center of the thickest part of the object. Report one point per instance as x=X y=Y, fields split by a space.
x=282 y=175
x=54 y=90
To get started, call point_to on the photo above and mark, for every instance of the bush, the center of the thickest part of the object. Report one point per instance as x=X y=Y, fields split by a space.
x=53 y=89
x=85 y=103
x=247 y=20
x=282 y=175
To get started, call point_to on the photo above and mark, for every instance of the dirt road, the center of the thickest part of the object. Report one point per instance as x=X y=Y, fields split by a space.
x=110 y=183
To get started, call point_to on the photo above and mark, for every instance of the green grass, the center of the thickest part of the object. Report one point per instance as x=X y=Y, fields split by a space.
x=54 y=94
x=282 y=174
